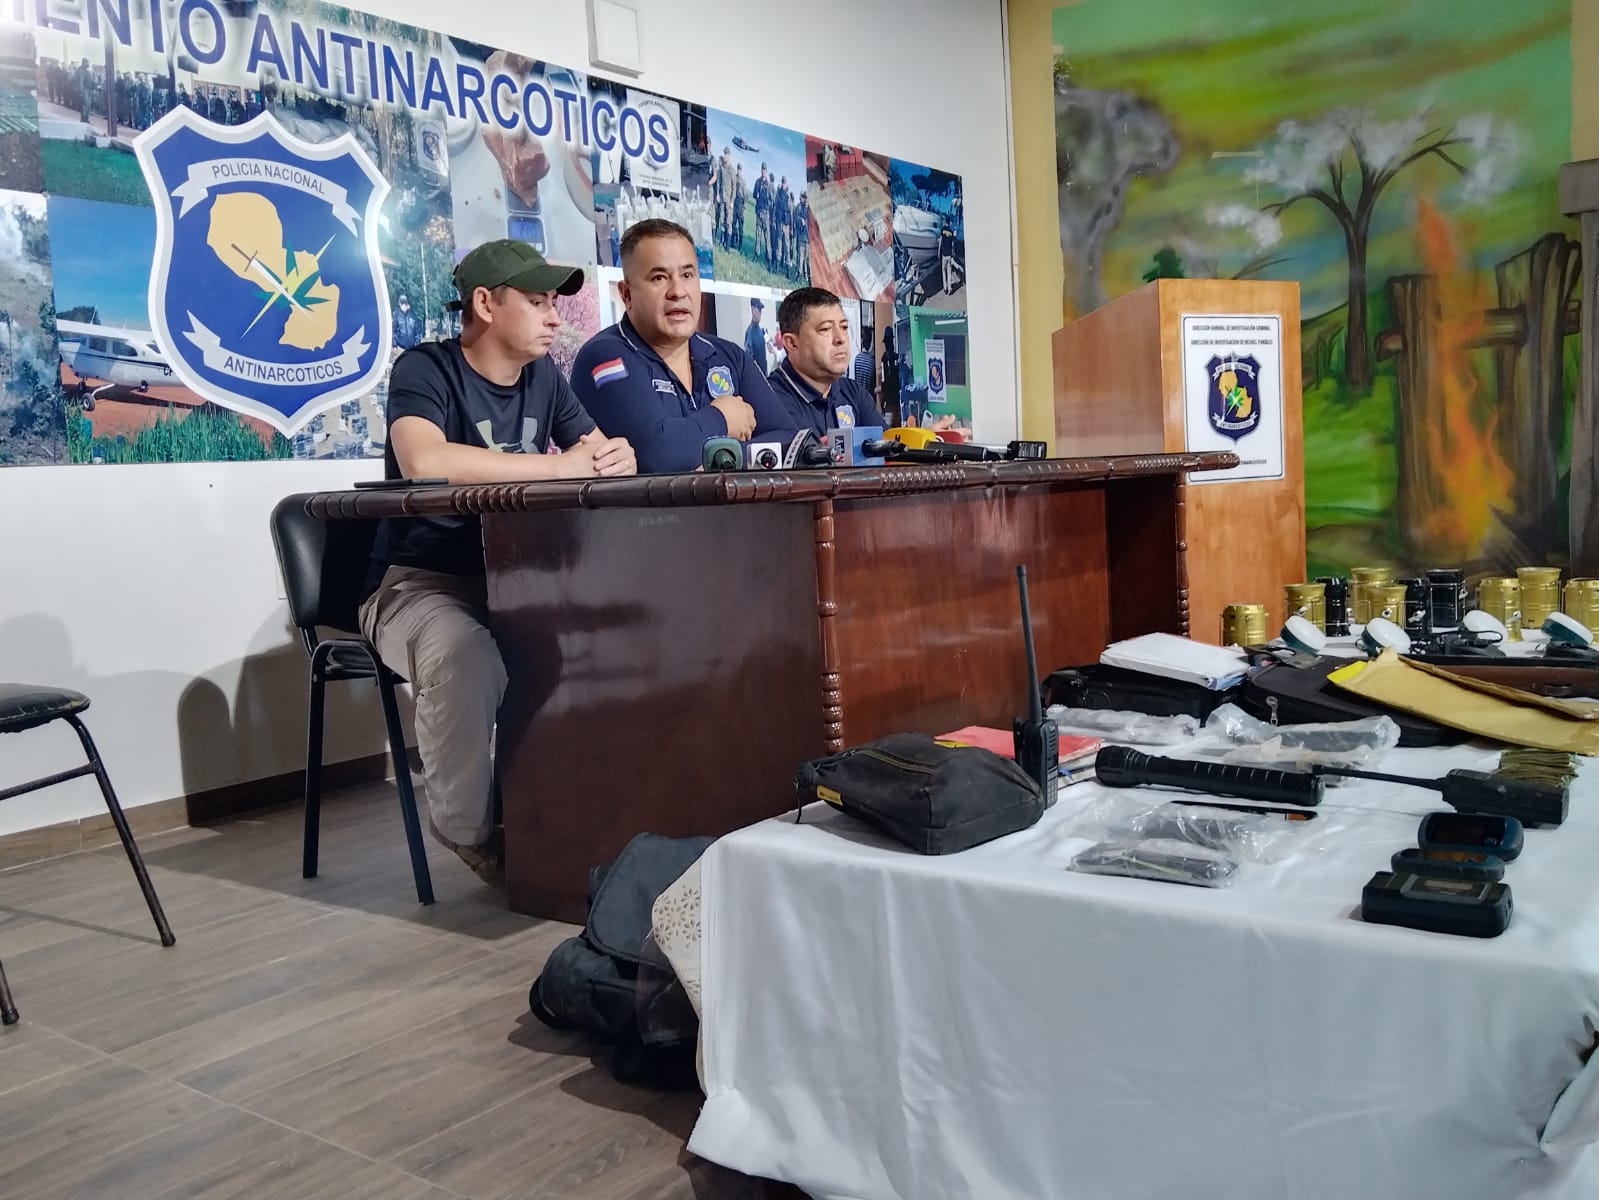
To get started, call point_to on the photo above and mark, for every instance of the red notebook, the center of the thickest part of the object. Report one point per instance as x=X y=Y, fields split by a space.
x=1073 y=748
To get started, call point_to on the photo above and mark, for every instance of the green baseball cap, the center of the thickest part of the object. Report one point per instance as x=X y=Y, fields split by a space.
x=514 y=263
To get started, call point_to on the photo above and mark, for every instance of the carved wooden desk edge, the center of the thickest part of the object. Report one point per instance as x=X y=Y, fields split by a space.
x=745 y=487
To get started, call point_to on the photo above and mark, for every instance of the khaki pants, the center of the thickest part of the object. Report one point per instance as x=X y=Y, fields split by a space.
x=432 y=628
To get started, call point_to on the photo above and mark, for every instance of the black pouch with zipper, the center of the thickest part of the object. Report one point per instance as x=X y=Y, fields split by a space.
x=1097 y=686
x=935 y=798
x=1290 y=695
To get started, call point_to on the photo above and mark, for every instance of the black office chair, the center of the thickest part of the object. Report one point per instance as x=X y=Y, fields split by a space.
x=324 y=566
x=24 y=706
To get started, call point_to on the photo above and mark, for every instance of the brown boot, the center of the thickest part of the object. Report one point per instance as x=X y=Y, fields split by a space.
x=487 y=861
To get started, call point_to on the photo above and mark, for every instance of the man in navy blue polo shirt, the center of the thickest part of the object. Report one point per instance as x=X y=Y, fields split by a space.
x=656 y=381
x=814 y=383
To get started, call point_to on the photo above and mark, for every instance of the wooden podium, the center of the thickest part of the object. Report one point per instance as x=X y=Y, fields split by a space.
x=678 y=644
x=1119 y=389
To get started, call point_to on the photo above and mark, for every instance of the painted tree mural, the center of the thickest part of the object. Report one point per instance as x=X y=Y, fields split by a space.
x=1346 y=159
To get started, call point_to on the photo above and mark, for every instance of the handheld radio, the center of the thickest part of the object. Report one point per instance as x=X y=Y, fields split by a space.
x=1037 y=739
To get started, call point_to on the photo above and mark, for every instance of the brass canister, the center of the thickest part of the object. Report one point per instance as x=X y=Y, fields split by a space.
x=1308 y=600
x=1500 y=596
x=1582 y=601
x=1243 y=625
x=1361 y=580
x=1386 y=600
x=1540 y=594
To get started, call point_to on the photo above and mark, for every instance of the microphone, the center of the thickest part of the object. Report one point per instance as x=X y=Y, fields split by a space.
x=722 y=454
x=1121 y=766
x=805 y=451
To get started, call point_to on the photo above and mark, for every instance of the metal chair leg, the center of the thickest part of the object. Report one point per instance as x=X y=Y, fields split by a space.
x=313 y=763
x=8 y=1006
x=123 y=832
x=402 y=780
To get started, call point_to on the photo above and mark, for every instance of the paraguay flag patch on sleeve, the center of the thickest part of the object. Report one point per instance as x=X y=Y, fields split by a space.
x=609 y=372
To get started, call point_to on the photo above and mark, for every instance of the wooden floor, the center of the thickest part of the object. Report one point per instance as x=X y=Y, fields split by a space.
x=307 y=1038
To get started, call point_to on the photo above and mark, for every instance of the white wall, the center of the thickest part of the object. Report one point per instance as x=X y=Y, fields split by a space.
x=154 y=589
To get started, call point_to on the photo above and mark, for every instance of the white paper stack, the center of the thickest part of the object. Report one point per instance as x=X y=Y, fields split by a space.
x=1173 y=657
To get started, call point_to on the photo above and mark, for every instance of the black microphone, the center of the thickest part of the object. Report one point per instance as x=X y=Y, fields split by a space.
x=1121 y=766
x=805 y=451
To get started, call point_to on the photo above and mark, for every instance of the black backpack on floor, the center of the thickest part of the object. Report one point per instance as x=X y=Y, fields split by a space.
x=610 y=980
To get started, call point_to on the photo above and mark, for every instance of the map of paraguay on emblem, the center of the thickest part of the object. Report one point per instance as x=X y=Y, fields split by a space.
x=1234 y=394
x=267 y=290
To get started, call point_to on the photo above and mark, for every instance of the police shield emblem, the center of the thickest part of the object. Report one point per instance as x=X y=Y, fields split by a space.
x=267 y=291
x=1234 y=394
x=719 y=381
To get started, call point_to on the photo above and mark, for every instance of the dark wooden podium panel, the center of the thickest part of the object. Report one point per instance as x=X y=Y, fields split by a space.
x=664 y=677
x=676 y=645
x=927 y=626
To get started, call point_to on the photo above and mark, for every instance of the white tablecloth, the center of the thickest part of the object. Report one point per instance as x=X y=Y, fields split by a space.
x=989 y=1024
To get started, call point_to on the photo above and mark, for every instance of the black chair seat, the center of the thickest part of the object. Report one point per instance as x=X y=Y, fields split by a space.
x=27 y=706
x=349 y=658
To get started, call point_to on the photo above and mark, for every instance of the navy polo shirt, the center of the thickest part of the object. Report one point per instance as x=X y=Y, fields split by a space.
x=809 y=409
x=630 y=392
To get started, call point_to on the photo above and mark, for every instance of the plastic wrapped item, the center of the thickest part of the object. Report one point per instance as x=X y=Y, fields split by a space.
x=1297 y=747
x=1257 y=835
x=1161 y=859
x=1112 y=814
x=1374 y=734
x=1127 y=728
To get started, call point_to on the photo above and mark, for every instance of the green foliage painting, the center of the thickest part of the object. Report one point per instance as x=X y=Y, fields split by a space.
x=1398 y=158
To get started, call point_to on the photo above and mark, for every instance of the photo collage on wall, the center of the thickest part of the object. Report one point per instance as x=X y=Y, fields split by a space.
x=220 y=225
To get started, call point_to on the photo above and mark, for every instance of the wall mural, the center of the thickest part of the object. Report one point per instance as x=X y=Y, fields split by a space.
x=222 y=220
x=1399 y=159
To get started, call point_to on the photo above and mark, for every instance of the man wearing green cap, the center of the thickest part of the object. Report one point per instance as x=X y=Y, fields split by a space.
x=480 y=408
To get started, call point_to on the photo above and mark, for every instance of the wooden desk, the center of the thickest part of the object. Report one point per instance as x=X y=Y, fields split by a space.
x=676 y=644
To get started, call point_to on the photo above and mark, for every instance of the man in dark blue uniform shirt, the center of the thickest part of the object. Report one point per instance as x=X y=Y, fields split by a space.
x=755 y=336
x=653 y=378
x=814 y=383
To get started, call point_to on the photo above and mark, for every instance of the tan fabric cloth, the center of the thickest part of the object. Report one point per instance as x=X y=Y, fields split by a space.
x=433 y=629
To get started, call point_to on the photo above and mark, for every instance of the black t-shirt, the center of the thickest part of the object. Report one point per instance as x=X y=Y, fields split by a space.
x=435 y=382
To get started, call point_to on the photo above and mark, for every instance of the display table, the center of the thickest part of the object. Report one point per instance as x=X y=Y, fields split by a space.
x=991 y=1025
x=676 y=644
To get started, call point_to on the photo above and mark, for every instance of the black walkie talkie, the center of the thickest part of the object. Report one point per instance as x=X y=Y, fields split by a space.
x=1037 y=739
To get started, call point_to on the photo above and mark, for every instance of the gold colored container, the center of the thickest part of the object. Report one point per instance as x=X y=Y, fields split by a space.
x=1540 y=594
x=1582 y=601
x=1500 y=596
x=1308 y=600
x=1243 y=625
x=1361 y=581
x=1386 y=600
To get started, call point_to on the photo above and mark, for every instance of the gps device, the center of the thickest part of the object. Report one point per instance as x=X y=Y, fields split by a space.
x=1459 y=906
x=1442 y=862
x=1498 y=836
